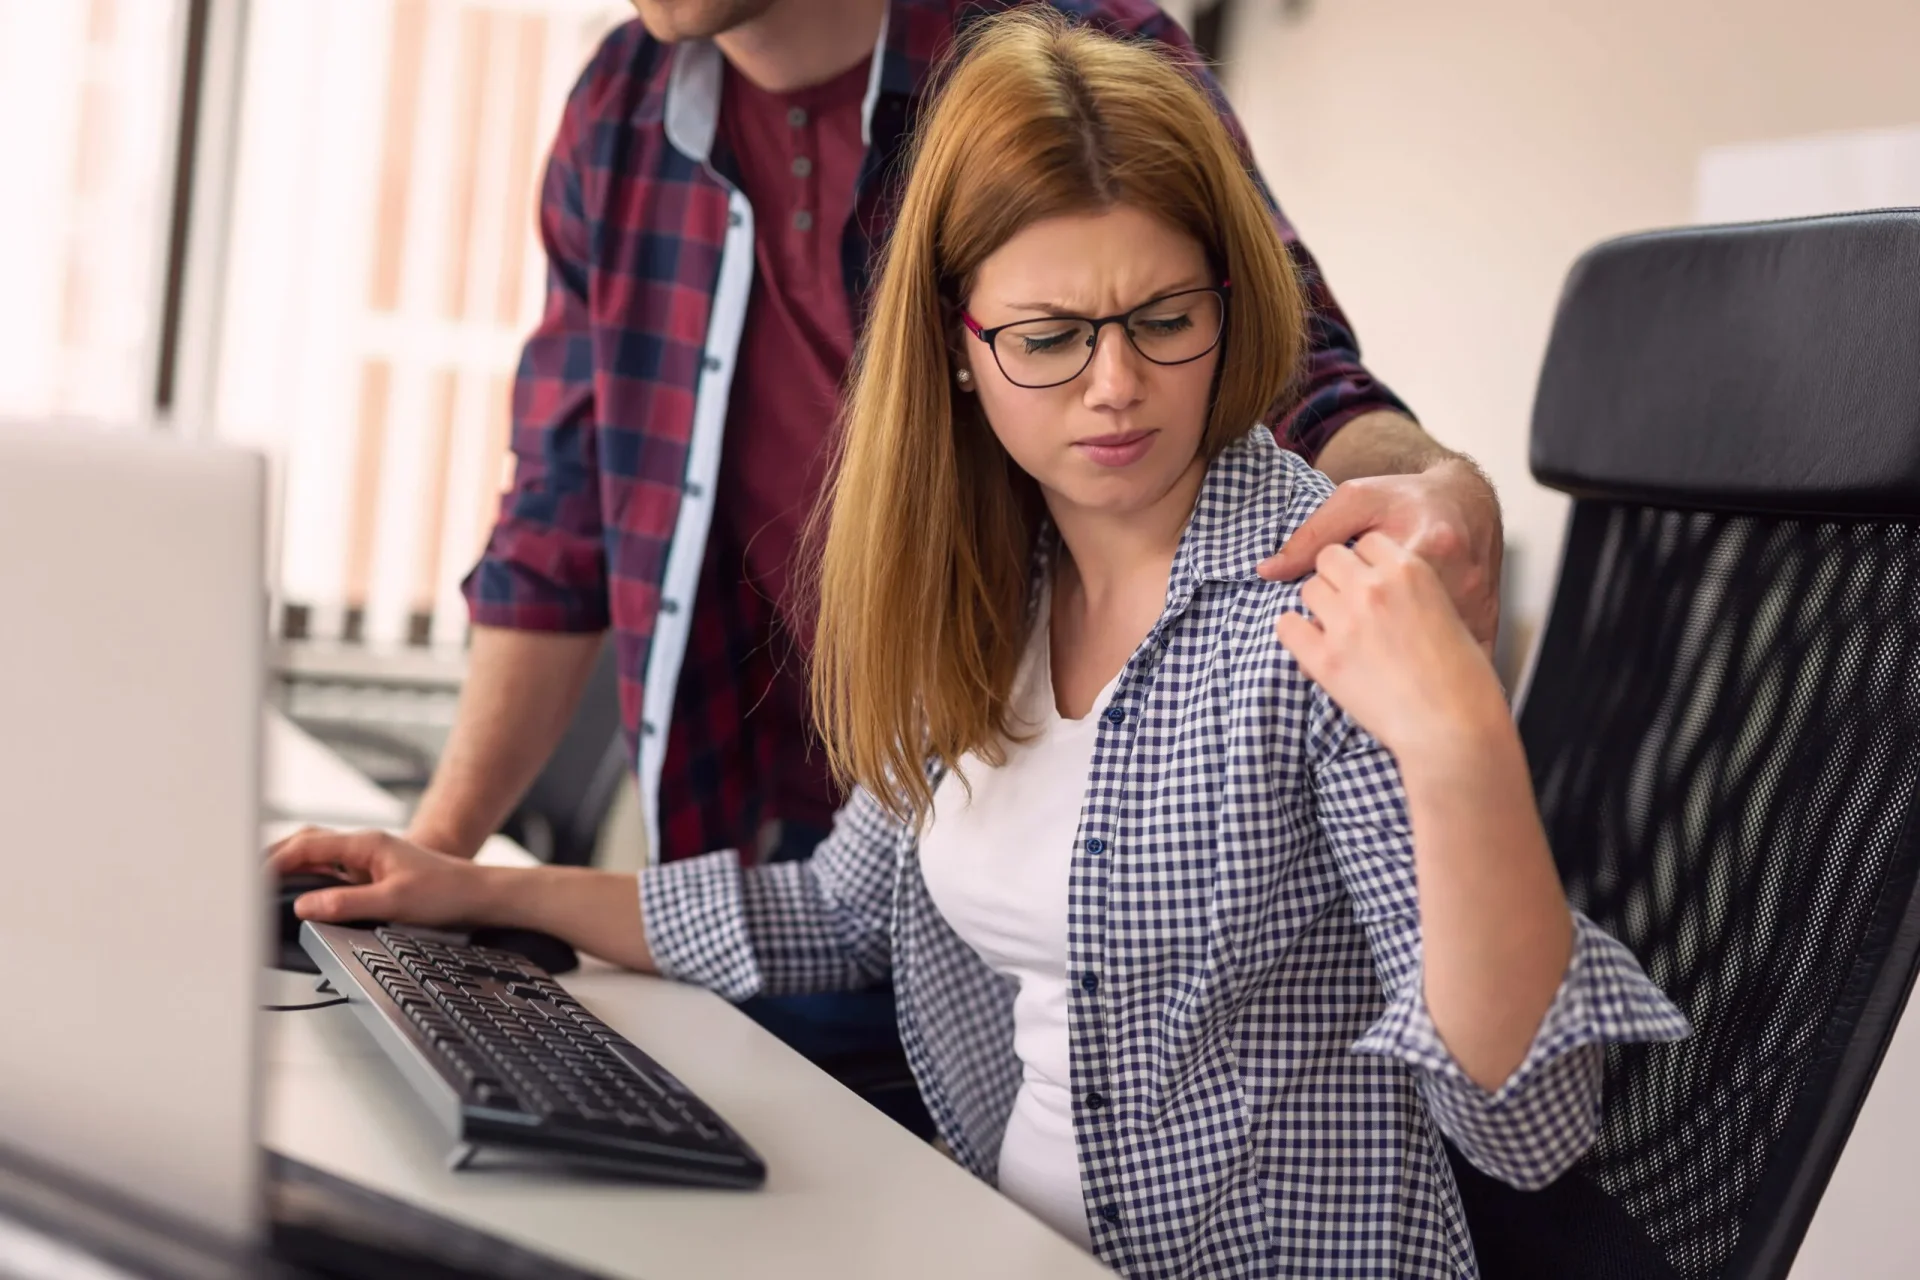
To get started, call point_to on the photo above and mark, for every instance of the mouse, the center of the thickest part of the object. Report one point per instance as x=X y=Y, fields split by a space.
x=543 y=949
x=292 y=956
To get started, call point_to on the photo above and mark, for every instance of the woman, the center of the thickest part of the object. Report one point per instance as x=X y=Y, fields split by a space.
x=1211 y=903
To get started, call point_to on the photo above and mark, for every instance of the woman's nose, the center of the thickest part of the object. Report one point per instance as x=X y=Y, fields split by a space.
x=1114 y=375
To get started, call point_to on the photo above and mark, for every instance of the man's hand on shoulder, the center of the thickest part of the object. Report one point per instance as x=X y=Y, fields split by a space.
x=1442 y=509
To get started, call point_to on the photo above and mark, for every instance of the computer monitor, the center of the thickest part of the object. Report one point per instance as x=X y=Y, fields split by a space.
x=132 y=922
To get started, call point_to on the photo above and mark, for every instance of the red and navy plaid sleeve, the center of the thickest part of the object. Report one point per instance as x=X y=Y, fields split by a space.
x=544 y=568
x=1334 y=387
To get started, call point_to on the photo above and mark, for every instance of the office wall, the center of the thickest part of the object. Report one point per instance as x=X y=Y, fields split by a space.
x=1448 y=161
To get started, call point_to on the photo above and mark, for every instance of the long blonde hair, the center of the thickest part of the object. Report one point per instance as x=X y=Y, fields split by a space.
x=924 y=558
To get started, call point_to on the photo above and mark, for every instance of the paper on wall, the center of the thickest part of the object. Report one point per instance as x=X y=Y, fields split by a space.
x=1797 y=177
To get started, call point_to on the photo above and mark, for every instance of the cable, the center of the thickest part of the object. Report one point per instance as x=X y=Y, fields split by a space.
x=326 y=986
x=295 y=1008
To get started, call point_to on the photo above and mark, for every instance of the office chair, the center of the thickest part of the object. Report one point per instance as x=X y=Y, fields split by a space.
x=1723 y=723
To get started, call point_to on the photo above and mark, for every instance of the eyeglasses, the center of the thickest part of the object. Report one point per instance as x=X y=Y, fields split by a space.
x=1175 y=328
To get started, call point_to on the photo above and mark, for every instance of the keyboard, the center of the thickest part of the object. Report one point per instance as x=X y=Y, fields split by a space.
x=516 y=1069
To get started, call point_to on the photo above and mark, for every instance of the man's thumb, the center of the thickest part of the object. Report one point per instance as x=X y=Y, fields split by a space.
x=1327 y=527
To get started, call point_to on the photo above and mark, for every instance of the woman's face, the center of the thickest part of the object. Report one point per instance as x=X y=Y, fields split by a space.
x=1119 y=436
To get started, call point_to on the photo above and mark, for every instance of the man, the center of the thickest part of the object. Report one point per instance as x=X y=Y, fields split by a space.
x=722 y=177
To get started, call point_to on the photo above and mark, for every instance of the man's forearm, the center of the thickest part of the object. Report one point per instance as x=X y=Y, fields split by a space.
x=1381 y=443
x=519 y=696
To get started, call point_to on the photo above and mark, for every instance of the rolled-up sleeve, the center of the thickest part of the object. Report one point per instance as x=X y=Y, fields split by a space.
x=821 y=924
x=544 y=567
x=1544 y=1116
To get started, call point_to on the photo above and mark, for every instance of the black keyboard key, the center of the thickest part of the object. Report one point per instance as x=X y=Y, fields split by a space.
x=490 y=1093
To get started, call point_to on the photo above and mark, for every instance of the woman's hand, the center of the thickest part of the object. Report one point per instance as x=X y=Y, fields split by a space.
x=401 y=883
x=1386 y=643
x=397 y=882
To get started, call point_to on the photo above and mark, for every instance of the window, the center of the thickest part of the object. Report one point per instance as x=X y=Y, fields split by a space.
x=89 y=97
x=367 y=172
x=382 y=270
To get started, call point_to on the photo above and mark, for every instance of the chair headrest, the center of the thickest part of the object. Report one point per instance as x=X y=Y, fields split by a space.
x=1772 y=367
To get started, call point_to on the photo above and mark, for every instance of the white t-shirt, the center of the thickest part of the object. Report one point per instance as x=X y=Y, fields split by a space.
x=997 y=867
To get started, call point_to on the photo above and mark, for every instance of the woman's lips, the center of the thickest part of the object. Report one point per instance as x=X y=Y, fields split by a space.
x=1121 y=449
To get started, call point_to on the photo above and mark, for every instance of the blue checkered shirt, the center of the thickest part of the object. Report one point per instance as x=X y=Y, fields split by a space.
x=1258 y=1087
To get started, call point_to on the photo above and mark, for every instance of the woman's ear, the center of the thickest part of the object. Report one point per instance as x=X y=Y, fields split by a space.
x=957 y=347
x=957 y=357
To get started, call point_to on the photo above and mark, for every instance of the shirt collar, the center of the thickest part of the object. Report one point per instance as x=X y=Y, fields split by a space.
x=692 y=114
x=1242 y=514
x=906 y=47
x=876 y=66
x=916 y=35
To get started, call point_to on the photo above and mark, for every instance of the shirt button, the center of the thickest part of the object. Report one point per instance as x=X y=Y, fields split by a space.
x=1115 y=715
x=713 y=364
x=803 y=221
x=1089 y=983
x=797 y=117
x=802 y=166
x=734 y=219
x=1096 y=846
x=694 y=489
x=1096 y=1100
x=647 y=729
x=669 y=606
x=1110 y=1214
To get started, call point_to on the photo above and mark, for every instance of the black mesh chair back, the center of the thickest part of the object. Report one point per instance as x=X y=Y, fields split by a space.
x=1723 y=723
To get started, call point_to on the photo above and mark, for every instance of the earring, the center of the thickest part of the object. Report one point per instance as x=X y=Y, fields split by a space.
x=963 y=377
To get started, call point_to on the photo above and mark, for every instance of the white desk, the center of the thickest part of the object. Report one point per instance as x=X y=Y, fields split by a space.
x=849 y=1194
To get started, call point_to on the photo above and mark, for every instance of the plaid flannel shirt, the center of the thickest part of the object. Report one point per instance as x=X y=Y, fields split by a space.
x=621 y=398
x=1258 y=1087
